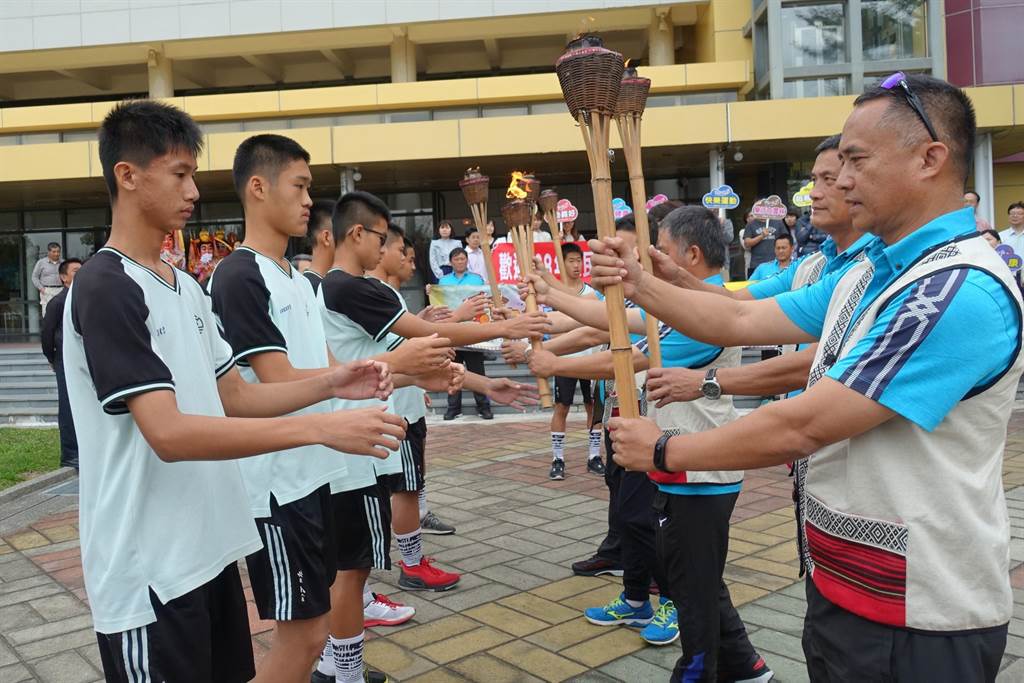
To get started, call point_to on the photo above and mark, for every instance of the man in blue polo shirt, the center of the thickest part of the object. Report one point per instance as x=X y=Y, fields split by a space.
x=904 y=423
x=460 y=274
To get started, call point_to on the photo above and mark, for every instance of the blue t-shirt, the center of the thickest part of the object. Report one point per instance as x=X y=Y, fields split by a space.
x=771 y=269
x=915 y=359
x=783 y=282
x=467 y=278
x=679 y=351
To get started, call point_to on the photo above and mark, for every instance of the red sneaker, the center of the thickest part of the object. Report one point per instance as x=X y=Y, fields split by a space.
x=425 y=576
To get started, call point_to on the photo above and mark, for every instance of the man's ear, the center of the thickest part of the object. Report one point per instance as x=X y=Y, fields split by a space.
x=126 y=175
x=258 y=187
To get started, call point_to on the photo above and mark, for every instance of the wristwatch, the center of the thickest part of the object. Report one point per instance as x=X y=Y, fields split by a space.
x=710 y=387
x=659 y=453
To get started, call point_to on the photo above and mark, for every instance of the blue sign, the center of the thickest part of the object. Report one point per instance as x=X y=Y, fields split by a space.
x=722 y=197
x=620 y=208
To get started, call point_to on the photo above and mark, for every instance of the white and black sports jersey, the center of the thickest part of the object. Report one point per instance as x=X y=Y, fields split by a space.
x=145 y=523
x=263 y=308
x=408 y=401
x=314 y=279
x=358 y=313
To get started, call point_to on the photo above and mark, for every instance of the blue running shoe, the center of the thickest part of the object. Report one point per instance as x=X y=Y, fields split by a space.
x=664 y=627
x=618 y=612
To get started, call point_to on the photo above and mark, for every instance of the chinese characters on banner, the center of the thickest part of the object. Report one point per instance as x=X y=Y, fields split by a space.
x=507 y=268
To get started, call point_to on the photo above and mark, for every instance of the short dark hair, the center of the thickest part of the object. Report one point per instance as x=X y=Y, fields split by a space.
x=471 y=229
x=264 y=154
x=977 y=197
x=658 y=212
x=793 y=212
x=948 y=107
x=357 y=208
x=322 y=210
x=697 y=226
x=1015 y=205
x=785 y=236
x=571 y=248
x=408 y=243
x=53 y=245
x=625 y=223
x=395 y=232
x=831 y=142
x=994 y=233
x=62 y=269
x=139 y=131
x=442 y=224
x=456 y=252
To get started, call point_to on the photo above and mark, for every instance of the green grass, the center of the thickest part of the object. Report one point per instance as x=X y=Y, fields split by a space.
x=25 y=453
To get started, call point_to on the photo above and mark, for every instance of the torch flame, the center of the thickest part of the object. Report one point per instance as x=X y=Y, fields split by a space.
x=627 y=62
x=515 y=191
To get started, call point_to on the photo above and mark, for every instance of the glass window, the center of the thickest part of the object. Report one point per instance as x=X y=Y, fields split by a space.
x=87 y=218
x=313 y=122
x=489 y=112
x=549 y=108
x=408 y=116
x=83 y=243
x=8 y=221
x=8 y=140
x=761 y=47
x=39 y=138
x=663 y=101
x=79 y=136
x=451 y=114
x=43 y=220
x=813 y=34
x=359 y=119
x=222 y=127
x=894 y=29
x=816 y=87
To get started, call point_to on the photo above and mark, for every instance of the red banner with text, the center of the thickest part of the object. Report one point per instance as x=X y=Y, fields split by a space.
x=506 y=266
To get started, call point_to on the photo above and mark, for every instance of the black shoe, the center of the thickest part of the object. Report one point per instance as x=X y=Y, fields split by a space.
x=485 y=413
x=375 y=677
x=318 y=677
x=557 y=472
x=595 y=466
x=451 y=415
x=596 y=566
x=755 y=672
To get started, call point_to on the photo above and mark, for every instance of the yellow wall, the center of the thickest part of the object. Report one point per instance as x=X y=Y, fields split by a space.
x=1008 y=180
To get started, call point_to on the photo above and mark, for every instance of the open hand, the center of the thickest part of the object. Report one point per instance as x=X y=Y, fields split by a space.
x=435 y=314
x=361 y=379
x=470 y=309
x=612 y=263
x=673 y=385
x=505 y=392
x=366 y=431
x=420 y=355
x=633 y=440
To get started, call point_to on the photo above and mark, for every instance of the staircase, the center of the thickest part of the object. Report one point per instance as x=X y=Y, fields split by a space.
x=28 y=387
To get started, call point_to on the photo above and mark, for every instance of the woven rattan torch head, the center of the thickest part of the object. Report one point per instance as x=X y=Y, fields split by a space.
x=517 y=212
x=633 y=92
x=590 y=75
x=474 y=186
x=548 y=200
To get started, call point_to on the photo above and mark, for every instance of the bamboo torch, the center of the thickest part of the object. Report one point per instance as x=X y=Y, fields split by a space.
x=548 y=202
x=474 y=187
x=518 y=215
x=590 y=76
x=629 y=111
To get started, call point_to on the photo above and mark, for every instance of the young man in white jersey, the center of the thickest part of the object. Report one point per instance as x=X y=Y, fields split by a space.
x=268 y=312
x=164 y=514
x=565 y=387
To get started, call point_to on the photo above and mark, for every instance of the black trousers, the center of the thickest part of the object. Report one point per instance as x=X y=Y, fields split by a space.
x=611 y=547
x=841 y=646
x=65 y=423
x=692 y=535
x=474 y=362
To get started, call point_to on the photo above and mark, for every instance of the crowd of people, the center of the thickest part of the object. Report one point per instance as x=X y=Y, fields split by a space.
x=278 y=415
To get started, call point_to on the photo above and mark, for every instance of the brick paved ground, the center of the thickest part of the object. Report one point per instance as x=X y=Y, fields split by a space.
x=516 y=614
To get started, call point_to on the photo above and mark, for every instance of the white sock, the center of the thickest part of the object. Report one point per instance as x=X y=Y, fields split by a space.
x=595 y=443
x=423 y=502
x=635 y=604
x=348 y=659
x=367 y=595
x=326 y=663
x=558 y=445
x=411 y=547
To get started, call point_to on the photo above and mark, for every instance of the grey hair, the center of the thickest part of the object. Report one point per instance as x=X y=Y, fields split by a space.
x=700 y=227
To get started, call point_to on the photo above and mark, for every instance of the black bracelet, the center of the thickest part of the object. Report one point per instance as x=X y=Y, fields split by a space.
x=659 y=453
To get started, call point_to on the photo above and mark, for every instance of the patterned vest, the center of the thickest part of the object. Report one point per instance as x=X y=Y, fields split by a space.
x=900 y=525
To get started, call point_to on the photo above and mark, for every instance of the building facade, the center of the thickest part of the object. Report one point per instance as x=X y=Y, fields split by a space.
x=398 y=97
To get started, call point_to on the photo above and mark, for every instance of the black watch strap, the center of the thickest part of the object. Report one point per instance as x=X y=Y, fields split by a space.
x=659 y=453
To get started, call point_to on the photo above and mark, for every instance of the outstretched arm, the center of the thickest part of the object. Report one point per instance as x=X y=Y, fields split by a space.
x=592 y=366
x=464 y=334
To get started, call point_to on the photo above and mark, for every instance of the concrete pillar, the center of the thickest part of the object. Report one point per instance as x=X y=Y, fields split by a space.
x=403 y=59
x=346 y=181
x=661 y=44
x=161 y=77
x=984 y=183
x=716 y=175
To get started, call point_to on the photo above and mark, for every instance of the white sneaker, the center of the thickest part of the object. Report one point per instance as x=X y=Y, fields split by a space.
x=384 y=612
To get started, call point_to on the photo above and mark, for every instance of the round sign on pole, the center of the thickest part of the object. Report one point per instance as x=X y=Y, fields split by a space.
x=803 y=196
x=722 y=197
x=1009 y=256
x=768 y=208
x=565 y=212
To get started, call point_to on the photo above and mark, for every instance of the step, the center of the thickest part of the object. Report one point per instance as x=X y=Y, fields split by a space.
x=17 y=389
x=26 y=415
x=17 y=376
x=8 y=356
x=35 y=362
x=29 y=401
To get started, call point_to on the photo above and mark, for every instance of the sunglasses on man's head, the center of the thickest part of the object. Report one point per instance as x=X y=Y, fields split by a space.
x=898 y=82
